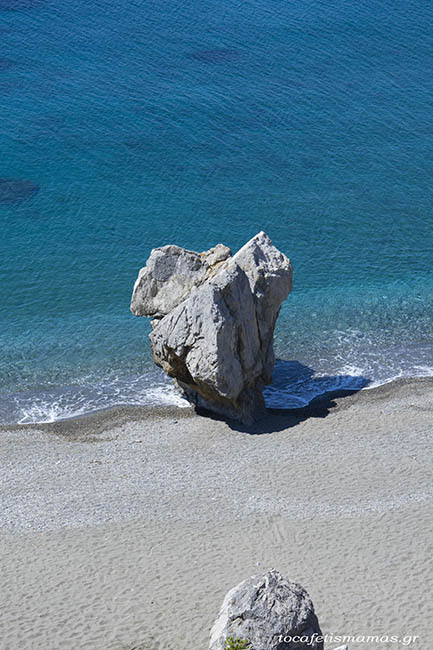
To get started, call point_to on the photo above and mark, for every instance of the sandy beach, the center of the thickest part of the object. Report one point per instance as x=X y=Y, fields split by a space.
x=126 y=528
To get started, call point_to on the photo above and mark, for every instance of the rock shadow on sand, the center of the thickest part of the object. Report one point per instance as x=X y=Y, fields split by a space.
x=296 y=394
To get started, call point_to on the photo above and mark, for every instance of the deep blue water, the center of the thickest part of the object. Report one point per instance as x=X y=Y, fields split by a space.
x=144 y=123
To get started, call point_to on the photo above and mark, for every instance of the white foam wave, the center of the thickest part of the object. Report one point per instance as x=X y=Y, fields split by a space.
x=61 y=403
x=351 y=368
x=42 y=412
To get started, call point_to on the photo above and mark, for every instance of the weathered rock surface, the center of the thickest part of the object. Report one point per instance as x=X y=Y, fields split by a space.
x=214 y=318
x=269 y=612
x=168 y=277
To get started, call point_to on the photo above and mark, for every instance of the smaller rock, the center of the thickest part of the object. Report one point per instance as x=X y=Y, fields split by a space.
x=270 y=613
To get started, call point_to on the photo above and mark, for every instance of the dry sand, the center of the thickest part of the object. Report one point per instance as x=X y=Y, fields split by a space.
x=125 y=529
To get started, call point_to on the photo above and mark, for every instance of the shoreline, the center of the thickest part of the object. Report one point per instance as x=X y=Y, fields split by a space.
x=102 y=419
x=124 y=530
x=274 y=397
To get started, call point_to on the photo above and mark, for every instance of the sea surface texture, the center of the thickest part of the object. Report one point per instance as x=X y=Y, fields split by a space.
x=129 y=125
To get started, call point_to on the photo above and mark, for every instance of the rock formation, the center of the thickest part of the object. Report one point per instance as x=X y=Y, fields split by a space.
x=213 y=320
x=269 y=613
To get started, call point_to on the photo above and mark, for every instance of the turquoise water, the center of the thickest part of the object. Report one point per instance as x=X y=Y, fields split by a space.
x=138 y=124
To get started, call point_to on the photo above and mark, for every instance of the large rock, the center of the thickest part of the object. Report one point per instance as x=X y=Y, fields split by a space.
x=269 y=613
x=214 y=318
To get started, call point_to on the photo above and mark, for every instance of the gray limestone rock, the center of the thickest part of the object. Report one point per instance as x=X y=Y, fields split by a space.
x=269 y=613
x=169 y=275
x=214 y=318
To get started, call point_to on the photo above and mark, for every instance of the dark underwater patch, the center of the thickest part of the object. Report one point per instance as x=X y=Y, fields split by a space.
x=5 y=64
x=17 y=5
x=16 y=191
x=219 y=55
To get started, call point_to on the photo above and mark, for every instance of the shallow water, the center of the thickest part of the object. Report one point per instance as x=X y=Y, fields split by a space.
x=207 y=123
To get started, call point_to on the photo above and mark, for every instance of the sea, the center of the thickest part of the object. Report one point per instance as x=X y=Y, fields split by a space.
x=125 y=126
